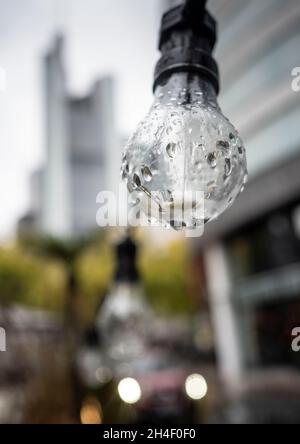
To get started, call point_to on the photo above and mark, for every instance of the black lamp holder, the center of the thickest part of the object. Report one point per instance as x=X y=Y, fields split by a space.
x=188 y=36
x=126 y=270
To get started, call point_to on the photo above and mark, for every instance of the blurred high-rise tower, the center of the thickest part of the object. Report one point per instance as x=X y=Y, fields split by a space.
x=83 y=153
x=56 y=187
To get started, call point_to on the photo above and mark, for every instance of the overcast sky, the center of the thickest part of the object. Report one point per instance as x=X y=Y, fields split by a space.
x=117 y=37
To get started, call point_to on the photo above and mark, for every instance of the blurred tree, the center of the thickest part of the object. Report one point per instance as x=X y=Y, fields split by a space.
x=166 y=278
x=95 y=269
x=74 y=275
x=66 y=252
x=26 y=280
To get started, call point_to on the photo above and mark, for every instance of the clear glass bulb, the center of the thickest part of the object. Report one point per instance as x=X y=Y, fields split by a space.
x=123 y=322
x=185 y=144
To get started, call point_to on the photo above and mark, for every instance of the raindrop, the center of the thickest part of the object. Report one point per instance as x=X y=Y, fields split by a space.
x=177 y=225
x=212 y=159
x=214 y=215
x=147 y=175
x=123 y=174
x=211 y=186
x=134 y=199
x=130 y=187
x=171 y=149
x=223 y=145
x=167 y=196
x=228 y=167
x=136 y=180
x=200 y=146
x=154 y=167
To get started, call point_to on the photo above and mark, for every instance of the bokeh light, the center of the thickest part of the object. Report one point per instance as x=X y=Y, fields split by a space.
x=103 y=375
x=196 y=386
x=91 y=412
x=129 y=390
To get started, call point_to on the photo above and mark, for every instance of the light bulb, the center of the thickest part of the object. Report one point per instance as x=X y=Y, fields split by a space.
x=184 y=146
x=124 y=317
x=123 y=322
x=186 y=162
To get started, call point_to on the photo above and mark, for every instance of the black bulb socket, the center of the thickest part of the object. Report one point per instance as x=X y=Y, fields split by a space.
x=188 y=35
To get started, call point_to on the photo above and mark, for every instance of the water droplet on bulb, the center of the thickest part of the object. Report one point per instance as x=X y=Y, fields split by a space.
x=154 y=167
x=177 y=225
x=214 y=216
x=240 y=150
x=200 y=146
x=228 y=167
x=211 y=186
x=130 y=187
x=212 y=159
x=134 y=199
x=171 y=149
x=147 y=175
x=197 y=223
x=223 y=145
x=136 y=180
x=167 y=196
